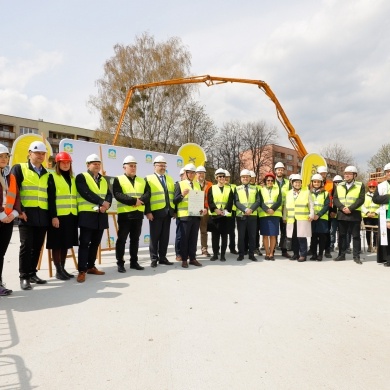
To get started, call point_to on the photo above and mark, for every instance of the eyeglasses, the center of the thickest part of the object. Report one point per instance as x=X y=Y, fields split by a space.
x=220 y=177
x=371 y=186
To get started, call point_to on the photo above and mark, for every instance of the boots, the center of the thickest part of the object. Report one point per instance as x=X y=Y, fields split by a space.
x=65 y=272
x=60 y=274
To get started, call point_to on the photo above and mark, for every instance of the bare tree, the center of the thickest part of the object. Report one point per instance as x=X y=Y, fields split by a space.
x=380 y=159
x=256 y=136
x=155 y=114
x=337 y=158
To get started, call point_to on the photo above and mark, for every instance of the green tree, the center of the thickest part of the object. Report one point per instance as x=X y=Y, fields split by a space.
x=380 y=159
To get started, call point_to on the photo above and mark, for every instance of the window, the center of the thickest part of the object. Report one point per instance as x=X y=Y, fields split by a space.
x=289 y=157
x=289 y=168
x=28 y=130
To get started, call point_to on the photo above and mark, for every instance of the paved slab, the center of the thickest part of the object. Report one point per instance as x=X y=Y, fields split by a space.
x=233 y=325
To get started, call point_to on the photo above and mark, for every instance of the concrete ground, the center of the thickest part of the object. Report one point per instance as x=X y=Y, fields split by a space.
x=233 y=325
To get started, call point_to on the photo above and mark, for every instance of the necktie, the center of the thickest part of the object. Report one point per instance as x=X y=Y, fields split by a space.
x=247 y=192
x=192 y=184
x=162 y=178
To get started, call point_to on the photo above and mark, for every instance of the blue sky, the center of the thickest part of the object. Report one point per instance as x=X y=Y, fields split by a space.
x=328 y=62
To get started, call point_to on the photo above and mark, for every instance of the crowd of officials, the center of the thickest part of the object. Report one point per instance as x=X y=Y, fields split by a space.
x=72 y=211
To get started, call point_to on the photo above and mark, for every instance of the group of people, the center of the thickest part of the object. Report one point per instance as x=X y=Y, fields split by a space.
x=72 y=211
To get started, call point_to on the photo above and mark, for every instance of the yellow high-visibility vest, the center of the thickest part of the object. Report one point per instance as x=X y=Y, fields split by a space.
x=298 y=208
x=134 y=192
x=34 y=188
x=66 y=198
x=269 y=200
x=220 y=197
x=157 y=197
x=247 y=202
x=353 y=194
x=182 y=207
x=83 y=204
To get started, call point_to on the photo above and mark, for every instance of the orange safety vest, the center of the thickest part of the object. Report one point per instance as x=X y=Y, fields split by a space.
x=11 y=195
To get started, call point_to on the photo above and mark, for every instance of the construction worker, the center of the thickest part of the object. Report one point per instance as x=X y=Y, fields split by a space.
x=232 y=220
x=63 y=231
x=10 y=208
x=370 y=213
x=220 y=201
x=284 y=185
x=382 y=198
x=189 y=224
x=93 y=200
x=348 y=199
x=178 y=237
x=159 y=211
x=31 y=179
x=328 y=187
x=298 y=214
x=333 y=215
x=132 y=193
x=204 y=186
x=320 y=224
x=270 y=212
x=247 y=200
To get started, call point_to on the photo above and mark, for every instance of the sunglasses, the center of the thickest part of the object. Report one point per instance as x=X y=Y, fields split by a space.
x=371 y=186
x=220 y=177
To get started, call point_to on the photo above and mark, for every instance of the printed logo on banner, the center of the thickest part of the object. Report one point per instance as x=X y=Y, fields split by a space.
x=111 y=153
x=111 y=243
x=68 y=147
x=179 y=162
x=148 y=158
x=146 y=238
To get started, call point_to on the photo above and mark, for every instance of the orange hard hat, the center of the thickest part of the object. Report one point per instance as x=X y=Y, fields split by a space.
x=373 y=183
x=63 y=156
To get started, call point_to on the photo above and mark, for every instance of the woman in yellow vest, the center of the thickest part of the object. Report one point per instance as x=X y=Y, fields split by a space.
x=63 y=232
x=220 y=202
x=320 y=223
x=370 y=214
x=270 y=213
x=298 y=214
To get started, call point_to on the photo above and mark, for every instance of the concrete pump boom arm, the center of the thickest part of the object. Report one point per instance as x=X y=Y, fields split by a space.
x=215 y=80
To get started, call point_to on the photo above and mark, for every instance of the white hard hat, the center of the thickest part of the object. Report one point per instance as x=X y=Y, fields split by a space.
x=252 y=174
x=37 y=146
x=290 y=177
x=190 y=167
x=387 y=167
x=296 y=176
x=201 y=168
x=317 y=176
x=93 y=158
x=245 y=172
x=322 y=169
x=220 y=171
x=350 y=168
x=129 y=159
x=279 y=165
x=3 y=149
x=159 y=159
x=337 y=178
x=181 y=172
x=227 y=173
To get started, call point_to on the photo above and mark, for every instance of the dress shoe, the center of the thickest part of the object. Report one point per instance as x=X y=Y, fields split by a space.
x=95 y=271
x=328 y=255
x=178 y=258
x=357 y=260
x=314 y=257
x=302 y=259
x=386 y=264
x=266 y=257
x=165 y=262
x=153 y=264
x=339 y=258
x=136 y=266
x=70 y=276
x=36 y=279
x=25 y=284
x=81 y=277
x=121 y=269
x=214 y=257
x=223 y=258
x=60 y=274
x=252 y=257
x=294 y=257
x=240 y=258
x=319 y=258
x=206 y=253
x=195 y=263
x=286 y=255
x=184 y=264
x=234 y=252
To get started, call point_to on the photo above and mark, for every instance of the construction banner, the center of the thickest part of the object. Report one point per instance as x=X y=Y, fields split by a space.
x=310 y=163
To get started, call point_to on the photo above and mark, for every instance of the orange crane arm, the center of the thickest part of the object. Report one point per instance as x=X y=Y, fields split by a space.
x=215 y=80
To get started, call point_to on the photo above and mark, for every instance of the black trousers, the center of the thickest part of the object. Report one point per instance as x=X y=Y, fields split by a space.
x=372 y=222
x=89 y=244
x=178 y=237
x=128 y=228
x=31 y=241
x=232 y=231
x=189 y=230
x=353 y=228
x=318 y=240
x=159 y=237
x=220 y=233
x=5 y=234
x=246 y=224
